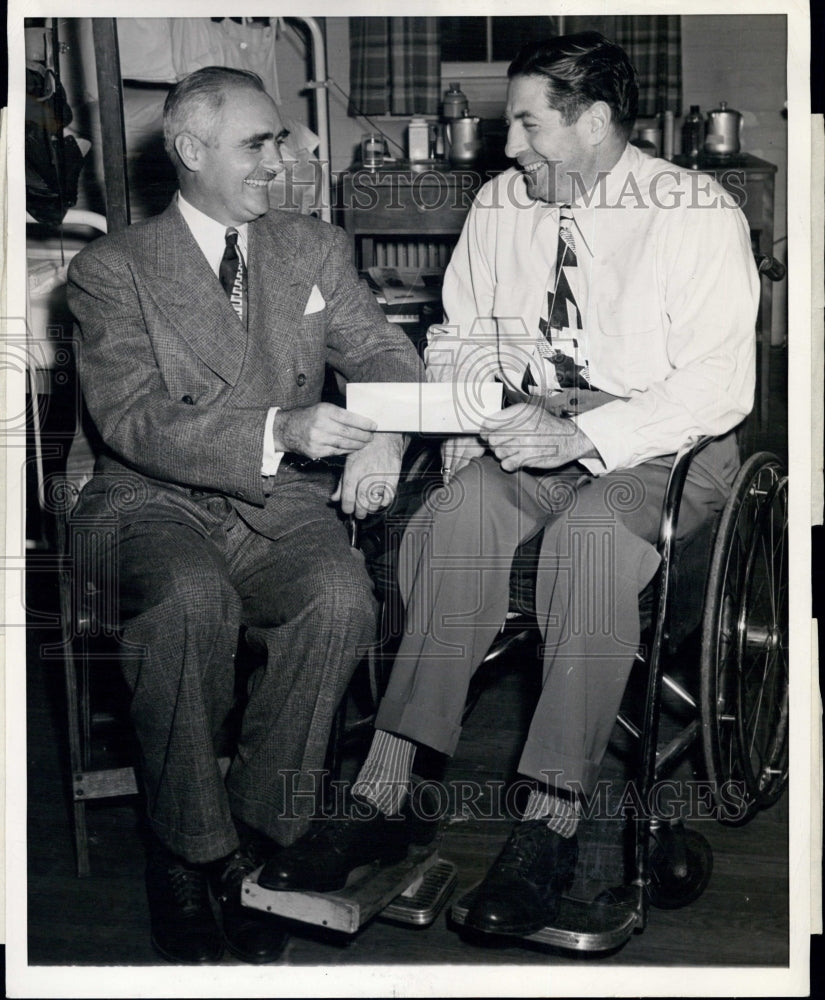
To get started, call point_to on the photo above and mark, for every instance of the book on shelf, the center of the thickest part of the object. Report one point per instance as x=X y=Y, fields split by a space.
x=406 y=285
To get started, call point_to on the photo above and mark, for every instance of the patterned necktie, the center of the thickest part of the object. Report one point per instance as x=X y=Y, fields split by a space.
x=563 y=314
x=562 y=294
x=233 y=274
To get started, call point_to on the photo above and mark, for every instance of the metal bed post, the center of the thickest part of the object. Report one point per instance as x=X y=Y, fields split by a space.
x=319 y=85
x=112 y=129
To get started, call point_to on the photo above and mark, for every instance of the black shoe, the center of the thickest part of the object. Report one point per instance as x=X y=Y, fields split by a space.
x=323 y=858
x=184 y=929
x=251 y=935
x=522 y=891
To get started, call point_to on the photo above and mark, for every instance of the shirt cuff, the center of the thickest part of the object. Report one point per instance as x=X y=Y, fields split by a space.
x=595 y=465
x=271 y=458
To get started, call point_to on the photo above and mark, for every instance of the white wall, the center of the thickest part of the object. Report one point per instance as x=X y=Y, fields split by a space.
x=742 y=60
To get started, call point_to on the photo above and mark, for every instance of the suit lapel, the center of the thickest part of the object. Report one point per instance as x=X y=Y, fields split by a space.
x=190 y=295
x=281 y=269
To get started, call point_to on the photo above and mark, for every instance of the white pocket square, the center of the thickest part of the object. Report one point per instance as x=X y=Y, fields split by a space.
x=316 y=301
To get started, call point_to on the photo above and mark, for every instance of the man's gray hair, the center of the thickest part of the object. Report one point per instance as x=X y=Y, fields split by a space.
x=193 y=104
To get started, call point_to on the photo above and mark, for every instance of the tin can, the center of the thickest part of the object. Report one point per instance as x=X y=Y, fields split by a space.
x=653 y=136
x=418 y=139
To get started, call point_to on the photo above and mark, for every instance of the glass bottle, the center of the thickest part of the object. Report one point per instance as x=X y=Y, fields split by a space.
x=693 y=133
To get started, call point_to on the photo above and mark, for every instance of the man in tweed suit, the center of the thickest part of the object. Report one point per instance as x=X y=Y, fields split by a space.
x=212 y=418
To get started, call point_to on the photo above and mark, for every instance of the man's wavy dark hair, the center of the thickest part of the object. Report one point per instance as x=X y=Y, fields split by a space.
x=579 y=70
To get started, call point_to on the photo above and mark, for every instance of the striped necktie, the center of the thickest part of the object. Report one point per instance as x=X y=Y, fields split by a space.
x=233 y=274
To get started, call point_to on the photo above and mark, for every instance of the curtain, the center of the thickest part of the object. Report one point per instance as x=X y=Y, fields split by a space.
x=395 y=65
x=395 y=62
x=654 y=46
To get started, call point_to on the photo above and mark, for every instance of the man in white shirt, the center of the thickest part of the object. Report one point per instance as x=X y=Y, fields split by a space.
x=615 y=298
x=205 y=336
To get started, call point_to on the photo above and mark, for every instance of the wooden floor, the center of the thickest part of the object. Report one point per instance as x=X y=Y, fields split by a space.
x=741 y=919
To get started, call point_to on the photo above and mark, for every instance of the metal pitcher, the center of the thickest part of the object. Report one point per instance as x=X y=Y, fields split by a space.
x=724 y=126
x=463 y=138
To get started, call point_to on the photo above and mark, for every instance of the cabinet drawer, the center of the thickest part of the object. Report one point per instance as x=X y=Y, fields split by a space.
x=408 y=203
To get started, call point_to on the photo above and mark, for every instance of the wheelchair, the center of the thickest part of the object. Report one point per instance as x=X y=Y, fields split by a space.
x=741 y=716
x=738 y=561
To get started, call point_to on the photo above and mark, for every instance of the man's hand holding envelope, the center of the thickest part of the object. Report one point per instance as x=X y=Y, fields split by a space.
x=527 y=434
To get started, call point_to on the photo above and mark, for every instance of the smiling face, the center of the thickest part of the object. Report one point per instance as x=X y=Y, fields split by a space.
x=548 y=151
x=228 y=172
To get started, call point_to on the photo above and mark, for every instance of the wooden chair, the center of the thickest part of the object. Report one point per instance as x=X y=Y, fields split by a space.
x=88 y=636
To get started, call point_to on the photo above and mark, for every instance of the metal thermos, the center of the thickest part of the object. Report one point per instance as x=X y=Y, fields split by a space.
x=723 y=128
x=455 y=102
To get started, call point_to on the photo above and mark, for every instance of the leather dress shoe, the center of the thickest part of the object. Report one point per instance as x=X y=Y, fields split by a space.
x=184 y=929
x=251 y=935
x=322 y=860
x=522 y=891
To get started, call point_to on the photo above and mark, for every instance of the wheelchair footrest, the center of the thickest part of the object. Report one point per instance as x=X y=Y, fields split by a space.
x=368 y=891
x=422 y=901
x=579 y=926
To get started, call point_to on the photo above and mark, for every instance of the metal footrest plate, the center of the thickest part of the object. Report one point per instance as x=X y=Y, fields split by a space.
x=580 y=925
x=367 y=892
x=421 y=902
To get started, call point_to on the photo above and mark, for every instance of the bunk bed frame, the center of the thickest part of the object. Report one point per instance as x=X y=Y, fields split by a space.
x=110 y=93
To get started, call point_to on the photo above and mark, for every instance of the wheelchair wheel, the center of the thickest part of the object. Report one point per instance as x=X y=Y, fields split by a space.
x=679 y=876
x=744 y=663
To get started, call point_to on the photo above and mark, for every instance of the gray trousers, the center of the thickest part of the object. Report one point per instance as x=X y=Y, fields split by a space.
x=596 y=556
x=307 y=598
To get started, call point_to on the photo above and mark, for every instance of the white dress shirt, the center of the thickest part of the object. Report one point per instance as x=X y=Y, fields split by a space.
x=211 y=238
x=668 y=312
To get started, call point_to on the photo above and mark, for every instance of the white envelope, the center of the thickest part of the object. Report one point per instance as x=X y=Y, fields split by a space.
x=426 y=407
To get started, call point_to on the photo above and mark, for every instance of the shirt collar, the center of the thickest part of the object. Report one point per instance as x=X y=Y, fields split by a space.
x=629 y=166
x=209 y=234
x=627 y=183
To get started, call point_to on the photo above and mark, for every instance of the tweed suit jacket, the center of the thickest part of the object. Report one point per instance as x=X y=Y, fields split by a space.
x=179 y=389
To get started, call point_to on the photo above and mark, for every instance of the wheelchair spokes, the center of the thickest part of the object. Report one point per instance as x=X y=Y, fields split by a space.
x=762 y=695
x=744 y=641
x=726 y=718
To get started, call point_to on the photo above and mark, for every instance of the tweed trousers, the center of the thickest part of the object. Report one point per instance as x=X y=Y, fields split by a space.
x=597 y=554
x=306 y=599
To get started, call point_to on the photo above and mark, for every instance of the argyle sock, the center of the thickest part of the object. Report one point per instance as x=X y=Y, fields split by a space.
x=384 y=778
x=562 y=814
